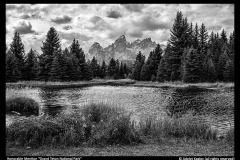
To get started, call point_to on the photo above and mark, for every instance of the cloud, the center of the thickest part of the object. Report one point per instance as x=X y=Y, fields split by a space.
x=106 y=22
x=19 y=7
x=62 y=19
x=135 y=32
x=67 y=27
x=113 y=34
x=70 y=36
x=228 y=22
x=23 y=27
x=214 y=27
x=113 y=14
x=97 y=23
x=10 y=7
x=149 y=22
x=133 y=7
x=25 y=16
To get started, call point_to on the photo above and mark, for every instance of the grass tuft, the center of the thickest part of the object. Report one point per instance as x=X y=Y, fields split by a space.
x=230 y=135
x=22 y=105
x=184 y=127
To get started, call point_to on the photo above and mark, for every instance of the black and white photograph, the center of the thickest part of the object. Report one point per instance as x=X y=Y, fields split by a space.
x=120 y=80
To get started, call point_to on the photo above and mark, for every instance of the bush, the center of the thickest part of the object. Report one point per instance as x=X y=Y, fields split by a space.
x=153 y=78
x=111 y=125
x=22 y=105
x=101 y=111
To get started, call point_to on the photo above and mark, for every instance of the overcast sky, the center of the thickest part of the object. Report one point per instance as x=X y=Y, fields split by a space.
x=104 y=23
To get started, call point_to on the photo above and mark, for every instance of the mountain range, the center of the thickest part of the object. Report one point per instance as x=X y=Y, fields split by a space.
x=121 y=49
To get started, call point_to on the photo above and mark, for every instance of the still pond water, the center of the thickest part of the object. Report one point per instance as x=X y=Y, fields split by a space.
x=142 y=102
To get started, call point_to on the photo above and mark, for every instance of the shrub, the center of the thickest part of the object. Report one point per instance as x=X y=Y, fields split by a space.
x=153 y=78
x=22 y=105
x=111 y=125
x=97 y=112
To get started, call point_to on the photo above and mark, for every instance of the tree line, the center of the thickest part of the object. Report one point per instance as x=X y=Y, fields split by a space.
x=55 y=64
x=191 y=55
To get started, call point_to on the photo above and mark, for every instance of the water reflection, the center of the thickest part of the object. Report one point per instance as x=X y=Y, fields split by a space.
x=186 y=99
x=50 y=99
x=142 y=102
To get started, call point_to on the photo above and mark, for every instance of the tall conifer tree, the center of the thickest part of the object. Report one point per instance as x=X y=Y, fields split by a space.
x=50 y=47
x=17 y=49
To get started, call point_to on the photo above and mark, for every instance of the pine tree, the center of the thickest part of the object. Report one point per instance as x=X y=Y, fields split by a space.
x=87 y=71
x=150 y=57
x=50 y=47
x=187 y=31
x=31 y=66
x=63 y=62
x=67 y=66
x=231 y=46
x=125 y=70
x=155 y=60
x=168 y=62
x=95 y=67
x=216 y=49
x=178 y=41
x=229 y=71
x=11 y=67
x=121 y=71
x=103 y=70
x=161 y=74
x=183 y=59
x=196 y=37
x=223 y=37
x=191 y=67
x=66 y=52
x=210 y=74
x=79 y=58
x=17 y=49
x=139 y=62
x=55 y=69
x=202 y=50
x=136 y=73
x=191 y=36
x=211 y=39
x=145 y=73
x=203 y=37
x=116 y=75
x=112 y=68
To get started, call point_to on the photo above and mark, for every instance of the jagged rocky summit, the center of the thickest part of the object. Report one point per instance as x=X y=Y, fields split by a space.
x=121 y=49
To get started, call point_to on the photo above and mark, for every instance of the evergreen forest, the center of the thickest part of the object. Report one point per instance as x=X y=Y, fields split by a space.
x=192 y=55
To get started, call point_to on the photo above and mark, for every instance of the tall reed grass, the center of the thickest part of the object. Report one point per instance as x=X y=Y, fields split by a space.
x=101 y=124
x=230 y=135
x=98 y=125
x=188 y=126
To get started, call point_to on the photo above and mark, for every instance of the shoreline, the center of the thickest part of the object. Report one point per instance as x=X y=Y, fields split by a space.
x=121 y=82
x=173 y=147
